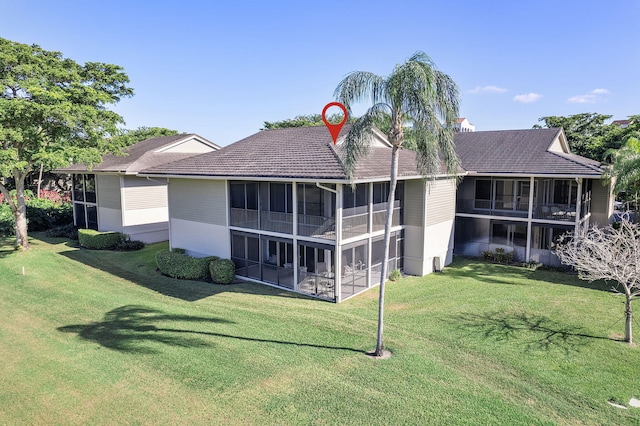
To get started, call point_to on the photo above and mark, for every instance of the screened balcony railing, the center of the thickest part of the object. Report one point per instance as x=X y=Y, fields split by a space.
x=549 y=211
x=276 y=222
x=244 y=218
x=317 y=284
x=353 y=226
x=380 y=215
x=497 y=209
x=265 y=220
x=317 y=226
x=264 y=271
x=562 y=212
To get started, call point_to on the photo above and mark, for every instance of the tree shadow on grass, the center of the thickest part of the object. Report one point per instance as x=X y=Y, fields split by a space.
x=7 y=246
x=134 y=329
x=128 y=328
x=537 y=332
x=486 y=272
x=145 y=274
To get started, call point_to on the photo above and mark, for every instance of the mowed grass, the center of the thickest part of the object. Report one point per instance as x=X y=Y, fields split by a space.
x=98 y=337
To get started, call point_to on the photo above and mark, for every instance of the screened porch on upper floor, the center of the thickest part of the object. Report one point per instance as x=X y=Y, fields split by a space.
x=549 y=198
x=271 y=206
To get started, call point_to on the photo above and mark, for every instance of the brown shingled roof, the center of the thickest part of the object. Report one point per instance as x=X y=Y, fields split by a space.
x=298 y=152
x=138 y=156
x=520 y=152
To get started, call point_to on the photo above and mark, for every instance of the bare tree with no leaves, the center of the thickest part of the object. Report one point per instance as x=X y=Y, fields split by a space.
x=610 y=253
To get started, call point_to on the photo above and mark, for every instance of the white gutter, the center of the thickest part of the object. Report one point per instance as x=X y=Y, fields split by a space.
x=335 y=191
x=166 y=182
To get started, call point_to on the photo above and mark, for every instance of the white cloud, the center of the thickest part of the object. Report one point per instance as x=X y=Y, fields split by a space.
x=589 y=98
x=527 y=98
x=487 y=89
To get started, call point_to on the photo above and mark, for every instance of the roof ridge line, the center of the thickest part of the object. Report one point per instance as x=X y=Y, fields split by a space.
x=564 y=156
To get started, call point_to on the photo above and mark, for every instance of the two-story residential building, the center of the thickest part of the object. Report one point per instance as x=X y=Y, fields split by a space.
x=522 y=190
x=280 y=205
x=111 y=196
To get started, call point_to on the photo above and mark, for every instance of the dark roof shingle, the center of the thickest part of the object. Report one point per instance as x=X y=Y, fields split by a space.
x=520 y=152
x=138 y=156
x=297 y=152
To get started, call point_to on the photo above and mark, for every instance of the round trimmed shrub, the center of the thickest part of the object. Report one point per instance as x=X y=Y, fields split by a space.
x=88 y=238
x=176 y=264
x=223 y=271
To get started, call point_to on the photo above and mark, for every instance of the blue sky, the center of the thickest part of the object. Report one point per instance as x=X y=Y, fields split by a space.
x=220 y=69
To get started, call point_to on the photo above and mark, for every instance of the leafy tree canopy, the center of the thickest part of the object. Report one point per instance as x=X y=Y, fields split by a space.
x=589 y=136
x=53 y=110
x=304 y=121
x=383 y=123
x=624 y=171
x=129 y=137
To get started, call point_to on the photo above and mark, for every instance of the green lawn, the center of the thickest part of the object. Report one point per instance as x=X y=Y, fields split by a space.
x=89 y=337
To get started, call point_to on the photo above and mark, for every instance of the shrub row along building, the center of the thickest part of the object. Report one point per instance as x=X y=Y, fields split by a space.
x=280 y=205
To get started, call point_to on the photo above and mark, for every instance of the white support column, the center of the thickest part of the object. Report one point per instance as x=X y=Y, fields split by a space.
x=73 y=199
x=296 y=261
x=369 y=230
x=370 y=208
x=578 y=206
x=123 y=206
x=532 y=183
x=227 y=203
x=338 y=251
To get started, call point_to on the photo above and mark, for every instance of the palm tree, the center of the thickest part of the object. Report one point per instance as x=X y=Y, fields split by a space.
x=625 y=171
x=414 y=94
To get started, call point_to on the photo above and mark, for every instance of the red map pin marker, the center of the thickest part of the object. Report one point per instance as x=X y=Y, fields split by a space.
x=334 y=129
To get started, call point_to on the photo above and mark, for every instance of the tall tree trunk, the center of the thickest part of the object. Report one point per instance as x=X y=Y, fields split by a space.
x=387 y=238
x=628 y=335
x=40 y=180
x=22 y=239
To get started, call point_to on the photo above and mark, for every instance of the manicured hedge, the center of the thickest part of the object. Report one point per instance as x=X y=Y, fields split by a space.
x=177 y=264
x=88 y=238
x=223 y=271
x=42 y=214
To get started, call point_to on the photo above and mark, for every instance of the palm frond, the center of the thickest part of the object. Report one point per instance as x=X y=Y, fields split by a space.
x=357 y=142
x=361 y=86
x=415 y=92
x=625 y=166
x=429 y=99
x=418 y=88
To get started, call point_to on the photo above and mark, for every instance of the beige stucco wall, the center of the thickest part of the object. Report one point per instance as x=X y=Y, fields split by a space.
x=414 y=219
x=601 y=204
x=441 y=201
x=429 y=224
x=197 y=200
x=198 y=217
x=141 y=193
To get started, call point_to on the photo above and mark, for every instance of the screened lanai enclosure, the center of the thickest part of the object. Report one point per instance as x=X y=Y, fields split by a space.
x=523 y=215
x=324 y=240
